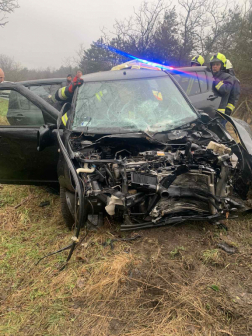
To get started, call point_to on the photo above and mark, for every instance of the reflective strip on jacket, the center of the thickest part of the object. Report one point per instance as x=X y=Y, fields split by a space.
x=223 y=84
x=63 y=94
x=234 y=94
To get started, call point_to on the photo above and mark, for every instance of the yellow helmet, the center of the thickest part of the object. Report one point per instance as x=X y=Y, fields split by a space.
x=199 y=60
x=219 y=58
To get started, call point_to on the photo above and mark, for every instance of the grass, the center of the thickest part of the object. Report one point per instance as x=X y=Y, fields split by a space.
x=214 y=257
x=4 y=103
x=171 y=281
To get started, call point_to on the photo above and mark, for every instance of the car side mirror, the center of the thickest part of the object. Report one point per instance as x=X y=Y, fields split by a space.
x=45 y=137
x=205 y=118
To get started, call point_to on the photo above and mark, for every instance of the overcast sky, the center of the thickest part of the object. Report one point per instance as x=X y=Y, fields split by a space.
x=44 y=33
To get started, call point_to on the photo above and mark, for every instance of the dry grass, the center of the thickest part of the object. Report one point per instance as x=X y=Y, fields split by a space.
x=173 y=281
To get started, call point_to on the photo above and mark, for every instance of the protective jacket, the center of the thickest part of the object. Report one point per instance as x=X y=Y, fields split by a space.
x=234 y=96
x=223 y=84
x=66 y=93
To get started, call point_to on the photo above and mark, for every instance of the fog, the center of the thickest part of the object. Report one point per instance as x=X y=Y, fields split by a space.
x=45 y=33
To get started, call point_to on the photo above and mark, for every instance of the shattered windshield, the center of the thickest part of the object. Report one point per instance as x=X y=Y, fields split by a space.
x=153 y=105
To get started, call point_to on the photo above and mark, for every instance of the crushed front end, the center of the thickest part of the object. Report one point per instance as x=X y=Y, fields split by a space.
x=144 y=181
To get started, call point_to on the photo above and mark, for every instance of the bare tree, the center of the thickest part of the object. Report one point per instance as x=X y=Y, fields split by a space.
x=7 y=7
x=138 y=30
x=207 y=26
x=192 y=19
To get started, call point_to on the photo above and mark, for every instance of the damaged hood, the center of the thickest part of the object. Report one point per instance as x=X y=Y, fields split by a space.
x=145 y=180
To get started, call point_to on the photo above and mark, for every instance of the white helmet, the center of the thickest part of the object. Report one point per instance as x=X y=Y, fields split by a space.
x=229 y=65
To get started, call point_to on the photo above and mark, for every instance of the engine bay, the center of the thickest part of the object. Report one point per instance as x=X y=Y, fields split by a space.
x=146 y=181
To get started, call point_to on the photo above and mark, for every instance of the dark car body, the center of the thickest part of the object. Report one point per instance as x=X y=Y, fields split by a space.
x=20 y=162
x=197 y=82
x=133 y=147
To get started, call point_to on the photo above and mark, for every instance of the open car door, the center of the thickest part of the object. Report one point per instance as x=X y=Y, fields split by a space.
x=22 y=113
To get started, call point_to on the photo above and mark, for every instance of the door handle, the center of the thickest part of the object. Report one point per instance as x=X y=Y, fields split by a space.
x=212 y=97
x=20 y=115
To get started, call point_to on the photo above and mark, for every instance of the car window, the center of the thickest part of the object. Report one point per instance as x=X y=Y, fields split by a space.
x=202 y=81
x=17 y=110
x=189 y=83
x=47 y=92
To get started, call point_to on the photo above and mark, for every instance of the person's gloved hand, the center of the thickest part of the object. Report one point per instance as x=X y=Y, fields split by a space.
x=228 y=111
x=75 y=83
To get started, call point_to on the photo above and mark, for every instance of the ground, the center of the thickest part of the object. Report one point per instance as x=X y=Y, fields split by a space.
x=169 y=281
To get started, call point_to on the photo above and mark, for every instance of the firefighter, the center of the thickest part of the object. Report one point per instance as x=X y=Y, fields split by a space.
x=65 y=94
x=223 y=82
x=197 y=60
x=235 y=92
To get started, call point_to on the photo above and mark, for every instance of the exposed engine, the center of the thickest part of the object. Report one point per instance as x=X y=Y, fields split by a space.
x=147 y=183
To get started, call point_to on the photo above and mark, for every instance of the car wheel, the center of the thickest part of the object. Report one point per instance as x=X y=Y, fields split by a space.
x=67 y=207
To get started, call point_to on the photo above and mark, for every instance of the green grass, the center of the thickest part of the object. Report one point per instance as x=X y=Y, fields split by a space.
x=4 y=103
x=165 y=283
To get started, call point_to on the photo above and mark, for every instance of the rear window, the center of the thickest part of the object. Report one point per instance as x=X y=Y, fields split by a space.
x=189 y=82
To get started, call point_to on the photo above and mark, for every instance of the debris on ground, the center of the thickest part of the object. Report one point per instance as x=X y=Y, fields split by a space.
x=227 y=248
x=43 y=204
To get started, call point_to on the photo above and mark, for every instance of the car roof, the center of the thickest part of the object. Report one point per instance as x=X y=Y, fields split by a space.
x=148 y=65
x=192 y=68
x=116 y=75
x=42 y=81
x=124 y=74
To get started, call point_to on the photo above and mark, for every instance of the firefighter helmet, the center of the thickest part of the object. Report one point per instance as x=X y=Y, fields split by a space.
x=229 y=68
x=229 y=65
x=199 y=60
x=219 y=58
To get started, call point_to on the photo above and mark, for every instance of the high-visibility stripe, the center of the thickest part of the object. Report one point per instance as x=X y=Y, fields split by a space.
x=101 y=94
x=62 y=94
x=221 y=110
x=98 y=97
x=64 y=119
x=230 y=106
x=219 y=85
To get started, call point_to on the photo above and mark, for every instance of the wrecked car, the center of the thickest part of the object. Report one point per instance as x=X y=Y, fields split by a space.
x=134 y=148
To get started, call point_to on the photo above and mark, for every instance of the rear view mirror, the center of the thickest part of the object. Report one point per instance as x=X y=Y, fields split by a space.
x=45 y=137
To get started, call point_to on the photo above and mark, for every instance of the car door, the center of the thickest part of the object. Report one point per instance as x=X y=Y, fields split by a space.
x=208 y=101
x=21 y=114
x=197 y=84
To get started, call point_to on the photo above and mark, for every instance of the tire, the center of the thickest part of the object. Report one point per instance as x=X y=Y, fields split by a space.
x=66 y=213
